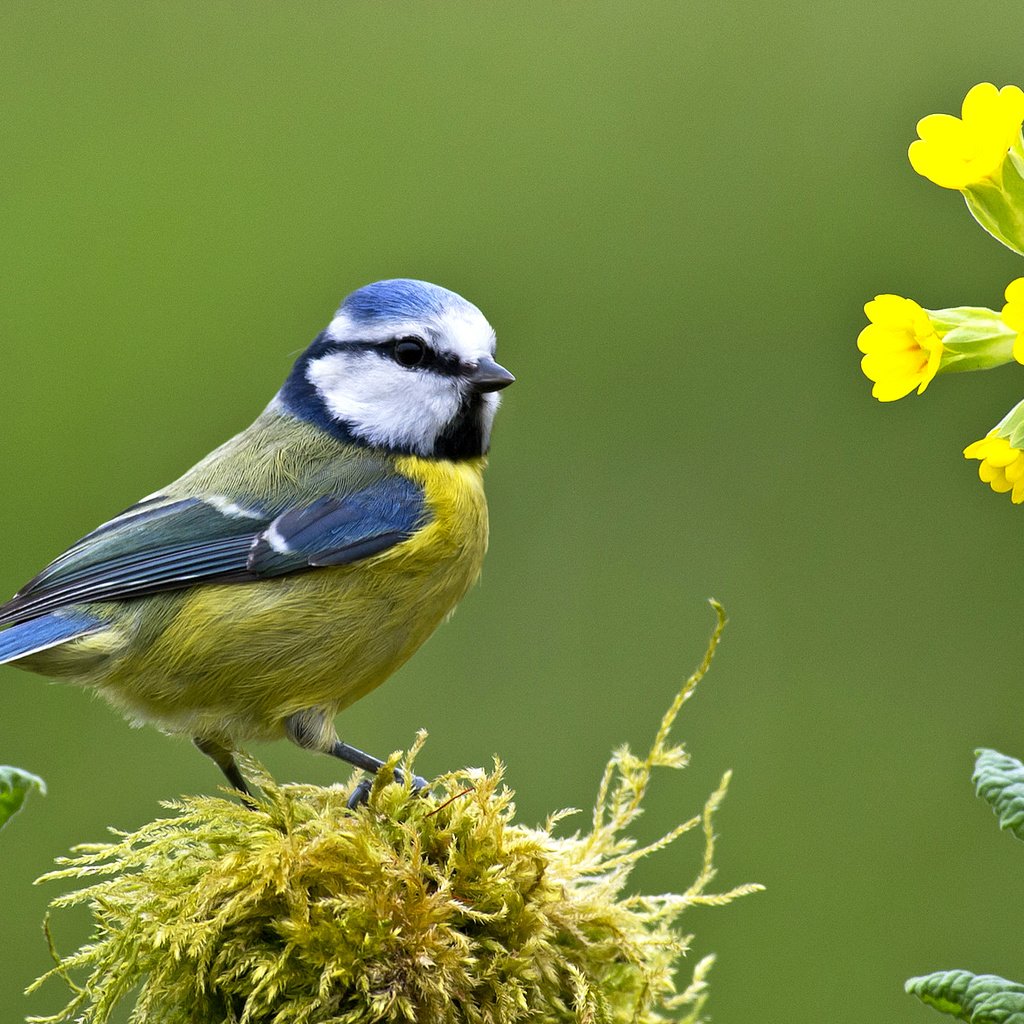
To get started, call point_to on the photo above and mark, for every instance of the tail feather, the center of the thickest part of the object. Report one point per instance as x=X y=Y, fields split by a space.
x=45 y=632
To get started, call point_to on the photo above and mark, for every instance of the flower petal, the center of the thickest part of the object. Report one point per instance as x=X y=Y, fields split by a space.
x=891 y=391
x=1001 y=455
x=1015 y=470
x=981 y=101
x=957 y=152
x=1015 y=290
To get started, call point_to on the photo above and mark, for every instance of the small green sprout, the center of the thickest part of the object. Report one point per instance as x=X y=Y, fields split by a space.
x=15 y=785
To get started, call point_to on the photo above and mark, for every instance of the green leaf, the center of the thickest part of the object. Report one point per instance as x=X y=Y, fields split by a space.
x=1000 y=782
x=14 y=787
x=978 y=998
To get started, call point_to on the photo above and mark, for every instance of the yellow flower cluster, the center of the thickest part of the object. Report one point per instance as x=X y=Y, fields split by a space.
x=980 y=154
x=1002 y=465
x=902 y=350
x=1013 y=315
x=956 y=152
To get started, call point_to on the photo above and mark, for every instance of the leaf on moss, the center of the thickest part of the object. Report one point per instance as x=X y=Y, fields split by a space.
x=978 y=998
x=1000 y=782
x=15 y=784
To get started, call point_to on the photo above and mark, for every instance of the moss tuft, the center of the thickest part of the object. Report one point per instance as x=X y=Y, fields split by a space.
x=437 y=909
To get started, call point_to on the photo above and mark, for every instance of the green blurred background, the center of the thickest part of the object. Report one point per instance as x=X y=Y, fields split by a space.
x=673 y=214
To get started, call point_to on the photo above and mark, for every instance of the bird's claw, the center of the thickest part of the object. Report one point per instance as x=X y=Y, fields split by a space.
x=362 y=791
x=360 y=794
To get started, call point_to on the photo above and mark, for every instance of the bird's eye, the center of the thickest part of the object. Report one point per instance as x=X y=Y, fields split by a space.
x=410 y=351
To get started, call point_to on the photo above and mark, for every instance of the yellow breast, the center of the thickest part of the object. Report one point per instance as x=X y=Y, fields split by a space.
x=455 y=495
x=237 y=659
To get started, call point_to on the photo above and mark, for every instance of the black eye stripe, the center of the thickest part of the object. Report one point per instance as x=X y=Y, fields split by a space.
x=436 y=362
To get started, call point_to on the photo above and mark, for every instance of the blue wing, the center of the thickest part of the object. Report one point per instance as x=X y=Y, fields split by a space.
x=166 y=544
x=49 y=631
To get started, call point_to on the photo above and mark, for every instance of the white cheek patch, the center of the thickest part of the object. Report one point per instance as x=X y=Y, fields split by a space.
x=384 y=403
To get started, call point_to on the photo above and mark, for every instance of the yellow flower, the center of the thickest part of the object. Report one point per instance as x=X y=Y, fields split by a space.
x=1002 y=465
x=1013 y=315
x=901 y=349
x=956 y=152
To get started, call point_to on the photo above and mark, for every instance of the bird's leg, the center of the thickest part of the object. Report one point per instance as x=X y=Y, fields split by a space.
x=223 y=757
x=311 y=730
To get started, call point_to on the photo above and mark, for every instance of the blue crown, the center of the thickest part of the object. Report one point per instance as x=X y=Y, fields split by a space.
x=400 y=299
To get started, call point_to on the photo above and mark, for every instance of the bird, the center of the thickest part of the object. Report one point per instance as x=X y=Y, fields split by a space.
x=298 y=565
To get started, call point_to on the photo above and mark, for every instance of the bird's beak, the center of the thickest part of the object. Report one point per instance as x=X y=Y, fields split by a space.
x=489 y=376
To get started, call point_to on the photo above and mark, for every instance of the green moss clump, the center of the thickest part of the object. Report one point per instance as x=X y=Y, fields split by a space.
x=438 y=910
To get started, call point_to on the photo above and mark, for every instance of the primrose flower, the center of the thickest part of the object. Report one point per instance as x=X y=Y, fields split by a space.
x=956 y=152
x=1002 y=465
x=901 y=347
x=1013 y=315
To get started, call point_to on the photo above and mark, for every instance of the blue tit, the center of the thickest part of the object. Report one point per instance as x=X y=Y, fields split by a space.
x=294 y=568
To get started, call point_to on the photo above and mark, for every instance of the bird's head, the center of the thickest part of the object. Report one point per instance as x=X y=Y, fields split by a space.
x=406 y=366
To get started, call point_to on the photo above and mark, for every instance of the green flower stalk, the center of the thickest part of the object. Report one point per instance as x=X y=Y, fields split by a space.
x=973 y=338
x=438 y=909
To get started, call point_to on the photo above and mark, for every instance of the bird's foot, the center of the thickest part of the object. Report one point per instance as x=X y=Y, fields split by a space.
x=360 y=794
x=362 y=791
